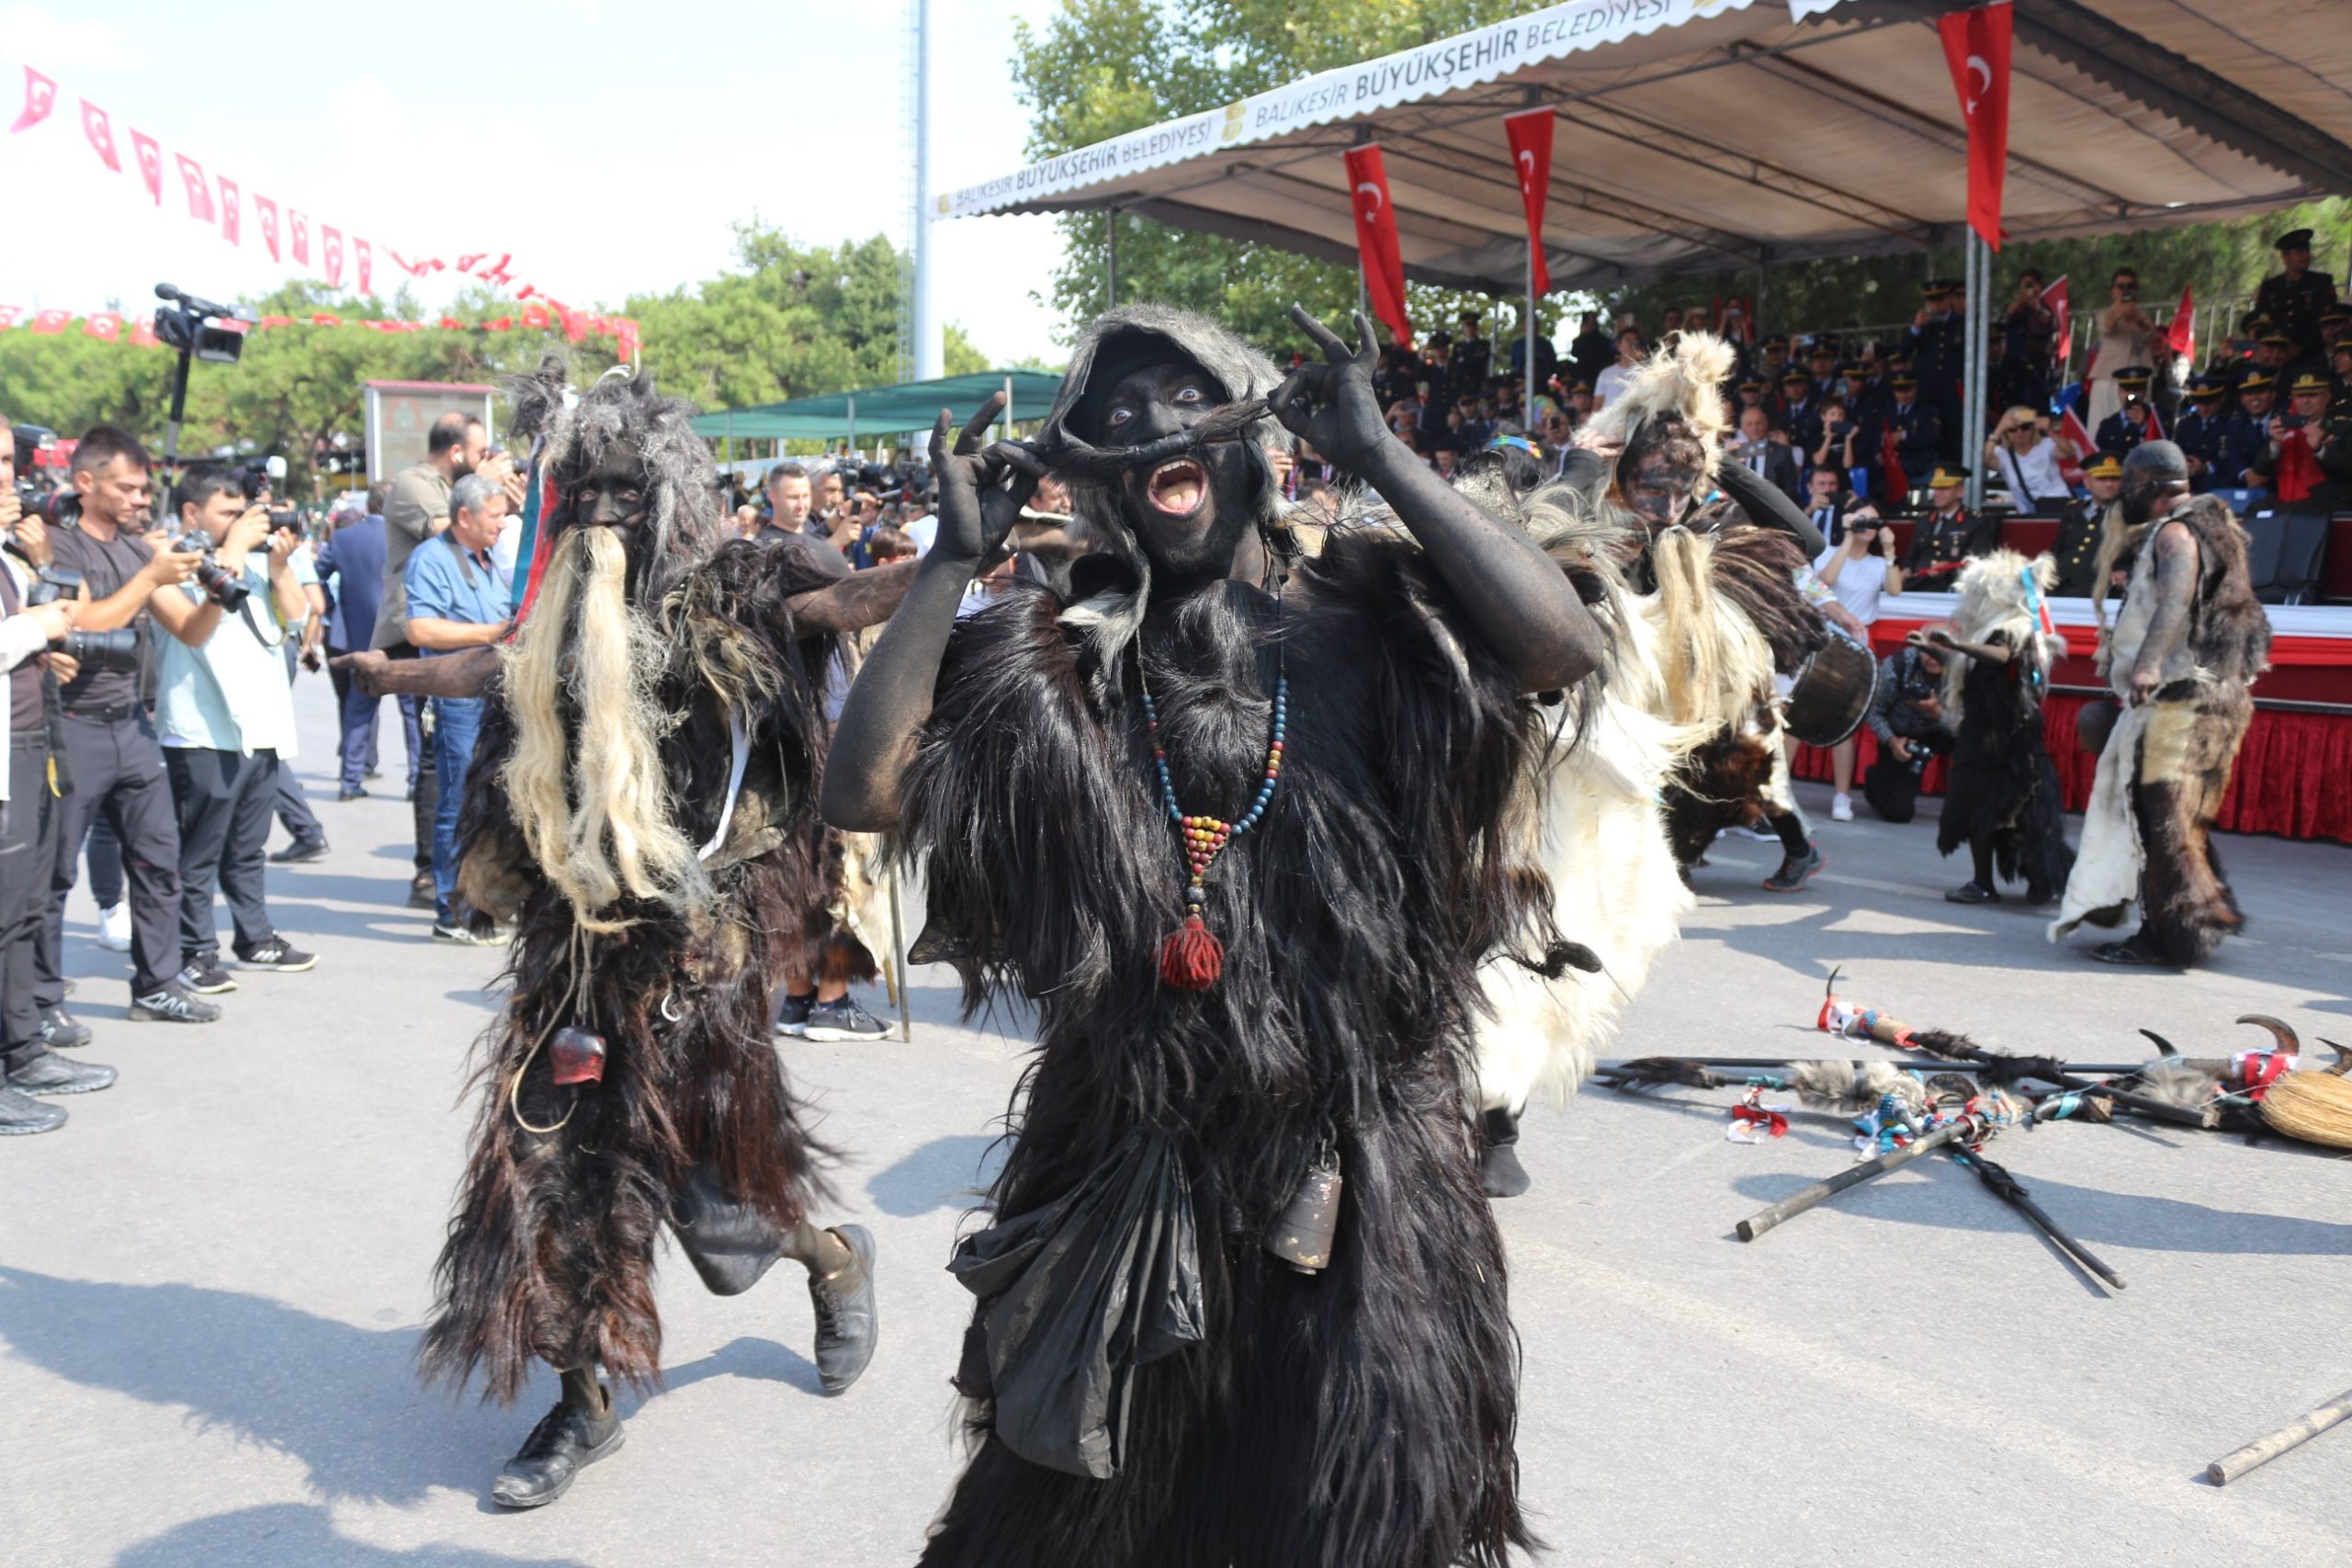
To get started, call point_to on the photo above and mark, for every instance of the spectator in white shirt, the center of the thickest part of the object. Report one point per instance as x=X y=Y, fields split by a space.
x=1613 y=380
x=2028 y=458
x=1858 y=569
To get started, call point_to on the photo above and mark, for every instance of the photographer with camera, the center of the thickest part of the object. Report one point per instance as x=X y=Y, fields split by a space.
x=109 y=744
x=37 y=623
x=226 y=718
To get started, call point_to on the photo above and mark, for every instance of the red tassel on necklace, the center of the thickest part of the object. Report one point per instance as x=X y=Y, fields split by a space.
x=1192 y=959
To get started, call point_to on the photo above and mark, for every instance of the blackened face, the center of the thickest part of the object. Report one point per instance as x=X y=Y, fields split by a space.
x=613 y=493
x=1189 y=512
x=1658 y=488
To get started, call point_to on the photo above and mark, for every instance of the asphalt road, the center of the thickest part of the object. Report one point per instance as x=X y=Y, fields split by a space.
x=211 y=1281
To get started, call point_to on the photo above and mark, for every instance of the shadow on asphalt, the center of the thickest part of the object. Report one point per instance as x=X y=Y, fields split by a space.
x=300 y=1535
x=952 y=1172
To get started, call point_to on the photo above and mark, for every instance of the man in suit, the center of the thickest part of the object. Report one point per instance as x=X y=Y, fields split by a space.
x=352 y=561
x=2294 y=297
x=1755 y=450
x=1825 y=502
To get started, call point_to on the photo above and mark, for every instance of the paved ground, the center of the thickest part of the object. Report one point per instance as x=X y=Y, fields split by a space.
x=210 y=1283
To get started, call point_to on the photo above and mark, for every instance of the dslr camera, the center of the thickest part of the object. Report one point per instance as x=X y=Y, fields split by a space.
x=116 y=649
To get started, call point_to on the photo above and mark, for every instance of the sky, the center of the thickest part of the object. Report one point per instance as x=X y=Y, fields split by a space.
x=608 y=146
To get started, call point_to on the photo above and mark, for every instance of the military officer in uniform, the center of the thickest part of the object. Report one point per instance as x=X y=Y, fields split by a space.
x=2245 y=440
x=1936 y=342
x=2076 y=548
x=2203 y=433
x=1800 y=410
x=2135 y=421
x=1916 y=428
x=1866 y=395
x=2294 y=298
x=1948 y=537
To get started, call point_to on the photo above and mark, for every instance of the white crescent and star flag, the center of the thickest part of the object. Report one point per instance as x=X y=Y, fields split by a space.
x=266 y=210
x=232 y=223
x=101 y=134
x=364 y=260
x=151 y=165
x=199 y=190
x=330 y=242
x=299 y=227
x=1531 y=156
x=1376 y=242
x=40 y=96
x=1976 y=46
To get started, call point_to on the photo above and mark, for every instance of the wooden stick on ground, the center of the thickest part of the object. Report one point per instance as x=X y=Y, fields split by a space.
x=898 y=961
x=1797 y=1203
x=2262 y=1450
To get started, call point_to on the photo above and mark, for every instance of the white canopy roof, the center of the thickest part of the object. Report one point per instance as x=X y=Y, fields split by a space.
x=1703 y=134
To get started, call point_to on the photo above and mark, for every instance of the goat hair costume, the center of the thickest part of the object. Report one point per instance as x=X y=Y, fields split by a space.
x=688 y=721
x=2147 y=829
x=2003 y=787
x=1358 y=1416
x=1592 y=828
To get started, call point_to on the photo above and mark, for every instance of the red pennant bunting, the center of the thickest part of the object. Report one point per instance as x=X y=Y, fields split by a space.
x=275 y=321
x=106 y=325
x=199 y=190
x=627 y=339
x=2180 y=333
x=465 y=263
x=1376 y=243
x=231 y=225
x=503 y=324
x=142 y=332
x=1531 y=156
x=8 y=314
x=525 y=292
x=450 y=323
x=402 y=262
x=576 y=326
x=332 y=243
x=298 y=230
x=496 y=271
x=1976 y=46
x=366 y=263
x=151 y=165
x=534 y=315
x=40 y=96
x=324 y=320
x=48 y=323
x=266 y=212
x=101 y=134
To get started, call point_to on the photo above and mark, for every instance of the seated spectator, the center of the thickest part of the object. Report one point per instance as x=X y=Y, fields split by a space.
x=1907 y=718
x=1947 y=538
x=1917 y=429
x=1860 y=570
x=1827 y=501
x=2079 y=525
x=1834 y=449
x=2134 y=422
x=1754 y=449
x=2201 y=432
x=2027 y=461
x=1613 y=381
x=2245 y=440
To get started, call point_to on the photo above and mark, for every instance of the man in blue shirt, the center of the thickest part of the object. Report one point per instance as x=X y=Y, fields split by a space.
x=457 y=599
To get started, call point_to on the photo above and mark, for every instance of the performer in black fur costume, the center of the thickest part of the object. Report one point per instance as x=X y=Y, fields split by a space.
x=1171 y=1363
x=2002 y=797
x=639 y=806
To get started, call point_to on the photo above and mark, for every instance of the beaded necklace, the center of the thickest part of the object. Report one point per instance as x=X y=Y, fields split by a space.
x=1192 y=959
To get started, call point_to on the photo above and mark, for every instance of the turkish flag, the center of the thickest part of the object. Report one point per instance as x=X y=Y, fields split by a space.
x=324 y=320
x=40 y=96
x=626 y=338
x=1976 y=46
x=504 y=323
x=299 y=227
x=496 y=271
x=2297 y=470
x=266 y=212
x=2180 y=334
x=199 y=190
x=1383 y=260
x=8 y=314
x=48 y=323
x=331 y=241
x=465 y=263
x=2069 y=428
x=106 y=324
x=534 y=315
x=142 y=332
x=2062 y=331
x=231 y=223
x=365 y=259
x=151 y=163
x=1890 y=462
x=101 y=134
x=1531 y=157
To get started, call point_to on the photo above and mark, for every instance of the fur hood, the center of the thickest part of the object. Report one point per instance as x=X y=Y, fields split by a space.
x=1683 y=382
x=1993 y=600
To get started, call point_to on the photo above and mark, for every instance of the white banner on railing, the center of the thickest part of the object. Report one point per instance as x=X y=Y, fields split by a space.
x=1427 y=72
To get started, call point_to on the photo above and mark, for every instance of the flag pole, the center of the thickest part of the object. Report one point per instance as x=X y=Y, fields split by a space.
x=1527 y=376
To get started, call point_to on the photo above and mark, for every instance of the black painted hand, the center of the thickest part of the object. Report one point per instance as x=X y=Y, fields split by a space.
x=1331 y=405
x=981 y=492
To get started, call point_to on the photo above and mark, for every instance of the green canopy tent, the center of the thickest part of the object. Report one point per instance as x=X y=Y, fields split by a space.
x=908 y=407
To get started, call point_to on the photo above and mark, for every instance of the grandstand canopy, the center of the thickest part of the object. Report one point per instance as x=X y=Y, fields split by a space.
x=1698 y=135
x=911 y=405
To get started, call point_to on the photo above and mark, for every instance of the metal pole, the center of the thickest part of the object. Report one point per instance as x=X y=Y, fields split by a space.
x=853 y=423
x=1971 y=362
x=898 y=957
x=930 y=347
x=1111 y=259
x=1527 y=376
x=1008 y=408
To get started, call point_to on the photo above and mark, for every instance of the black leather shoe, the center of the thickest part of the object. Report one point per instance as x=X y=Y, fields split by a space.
x=295 y=854
x=358 y=792
x=846 y=1321
x=21 y=1115
x=1972 y=892
x=60 y=1030
x=566 y=1441
x=49 y=1074
x=1499 y=1171
x=2131 y=955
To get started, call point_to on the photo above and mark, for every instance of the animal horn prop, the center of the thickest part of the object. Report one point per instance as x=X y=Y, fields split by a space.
x=2313 y=1106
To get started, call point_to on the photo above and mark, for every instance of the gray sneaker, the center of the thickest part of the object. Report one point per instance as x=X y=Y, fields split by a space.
x=172 y=1003
x=21 y=1115
x=844 y=1019
x=51 y=1074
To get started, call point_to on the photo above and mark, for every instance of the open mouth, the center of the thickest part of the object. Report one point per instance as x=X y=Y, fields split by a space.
x=1178 y=487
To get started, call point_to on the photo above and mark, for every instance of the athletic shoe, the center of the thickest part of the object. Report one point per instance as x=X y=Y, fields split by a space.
x=172 y=1003
x=114 y=928
x=420 y=895
x=1762 y=835
x=794 y=1017
x=60 y=1030
x=206 y=978
x=567 y=1440
x=357 y=792
x=276 y=953
x=298 y=852
x=47 y=1074
x=1796 y=870
x=1972 y=892
x=21 y=1115
x=847 y=1323
x=458 y=935
x=1841 y=809
x=844 y=1019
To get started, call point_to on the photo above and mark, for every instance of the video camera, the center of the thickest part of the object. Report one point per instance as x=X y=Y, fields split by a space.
x=192 y=327
x=116 y=650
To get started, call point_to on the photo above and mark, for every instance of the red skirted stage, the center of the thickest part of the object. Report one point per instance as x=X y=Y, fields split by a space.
x=2294 y=774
